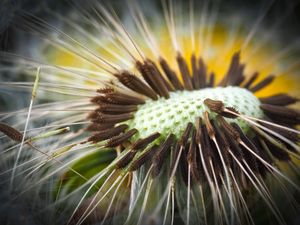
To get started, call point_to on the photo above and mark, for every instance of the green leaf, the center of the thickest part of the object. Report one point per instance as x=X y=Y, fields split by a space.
x=88 y=167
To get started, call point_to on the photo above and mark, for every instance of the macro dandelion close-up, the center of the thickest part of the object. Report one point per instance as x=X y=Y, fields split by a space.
x=149 y=112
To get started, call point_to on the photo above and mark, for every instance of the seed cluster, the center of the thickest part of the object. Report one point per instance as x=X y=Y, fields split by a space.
x=199 y=122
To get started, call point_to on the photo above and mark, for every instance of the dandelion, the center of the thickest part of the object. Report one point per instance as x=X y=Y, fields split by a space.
x=152 y=114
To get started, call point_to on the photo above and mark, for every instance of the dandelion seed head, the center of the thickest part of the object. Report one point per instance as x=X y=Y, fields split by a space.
x=150 y=115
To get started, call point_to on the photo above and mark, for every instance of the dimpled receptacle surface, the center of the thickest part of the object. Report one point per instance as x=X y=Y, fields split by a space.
x=172 y=115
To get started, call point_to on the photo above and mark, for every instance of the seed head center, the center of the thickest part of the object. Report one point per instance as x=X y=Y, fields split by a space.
x=172 y=115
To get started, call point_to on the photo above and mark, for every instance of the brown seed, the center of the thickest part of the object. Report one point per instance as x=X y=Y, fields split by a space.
x=217 y=164
x=182 y=144
x=223 y=143
x=158 y=78
x=126 y=159
x=211 y=81
x=106 y=90
x=122 y=99
x=239 y=77
x=226 y=126
x=153 y=77
x=116 y=109
x=136 y=84
x=214 y=105
x=202 y=73
x=206 y=150
x=196 y=169
x=279 y=99
x=160 y=75
x=251 y=80
x=232 y=70
x=192 y=146
x=185 y=136
x=143 y=158
x=159 y=157
x=251 y=159
x=208 y=125
x=234 y=143
x=99 y=99
x=206 y=144
x=192 y=157
x=142 y=143
x=198 y=130
x=184 y=70
x=108 y=133
x=262 y=84
x=262 y=168
x=121 y=138
x=280 y=113
x=117 y=98
x=11 y=132
x=170 y=74
x=109 y=95
x=107 y=118
x=195 y=72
